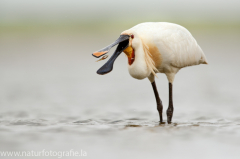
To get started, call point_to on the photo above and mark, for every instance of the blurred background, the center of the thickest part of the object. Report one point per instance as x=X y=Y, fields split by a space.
x=51 y=97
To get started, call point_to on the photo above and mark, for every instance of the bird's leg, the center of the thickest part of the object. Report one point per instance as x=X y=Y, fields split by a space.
x=170 y=106
x=158 y=100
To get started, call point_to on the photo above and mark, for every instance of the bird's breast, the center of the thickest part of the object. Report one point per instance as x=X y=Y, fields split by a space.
x=129 y=51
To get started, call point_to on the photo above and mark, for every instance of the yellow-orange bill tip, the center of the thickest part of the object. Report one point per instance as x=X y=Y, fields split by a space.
x=98 y=54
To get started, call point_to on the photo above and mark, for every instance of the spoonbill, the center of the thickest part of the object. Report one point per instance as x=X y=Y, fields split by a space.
x=155 y=47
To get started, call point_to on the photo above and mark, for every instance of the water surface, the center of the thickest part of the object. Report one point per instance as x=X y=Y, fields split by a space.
x=51 y=98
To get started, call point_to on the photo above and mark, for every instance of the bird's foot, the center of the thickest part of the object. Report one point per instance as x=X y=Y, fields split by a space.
x=169 y=116
x=162 y=123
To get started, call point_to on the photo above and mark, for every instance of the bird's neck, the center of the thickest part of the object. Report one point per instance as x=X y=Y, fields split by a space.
x=139 y=69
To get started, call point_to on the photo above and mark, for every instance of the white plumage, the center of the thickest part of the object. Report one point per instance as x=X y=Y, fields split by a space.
x=175 y=44
x=155 y=47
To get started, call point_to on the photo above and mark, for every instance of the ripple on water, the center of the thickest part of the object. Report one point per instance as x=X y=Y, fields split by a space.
x=34 y=122
x=135 y=122
x=100 y=124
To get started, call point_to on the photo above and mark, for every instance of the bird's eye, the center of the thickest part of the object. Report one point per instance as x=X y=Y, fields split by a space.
x=132 y=36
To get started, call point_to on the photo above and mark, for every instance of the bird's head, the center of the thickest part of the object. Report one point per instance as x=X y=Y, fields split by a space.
x=127 y=42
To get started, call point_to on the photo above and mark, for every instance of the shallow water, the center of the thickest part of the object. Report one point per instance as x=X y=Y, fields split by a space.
x=51 y=98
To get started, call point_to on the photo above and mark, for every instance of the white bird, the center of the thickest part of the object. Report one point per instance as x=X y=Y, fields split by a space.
x=155 y=47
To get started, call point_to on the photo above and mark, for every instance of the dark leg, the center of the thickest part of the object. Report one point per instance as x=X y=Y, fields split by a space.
x=170 y=106
x=158 y=100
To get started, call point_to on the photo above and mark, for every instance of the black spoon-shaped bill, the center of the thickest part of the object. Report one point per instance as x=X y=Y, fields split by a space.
x=108 y=66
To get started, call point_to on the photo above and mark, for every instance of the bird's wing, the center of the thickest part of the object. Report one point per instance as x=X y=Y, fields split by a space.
x=175 y=43
x=181 y=47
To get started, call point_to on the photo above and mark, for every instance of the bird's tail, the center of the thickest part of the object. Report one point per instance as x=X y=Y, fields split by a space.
x=203 y=59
